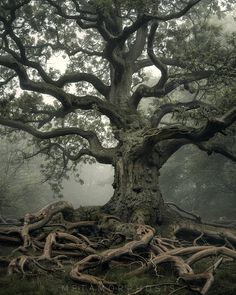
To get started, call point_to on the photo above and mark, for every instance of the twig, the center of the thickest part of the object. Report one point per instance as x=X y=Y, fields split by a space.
x=154 y=286
x=198 y=238
x=176 y=290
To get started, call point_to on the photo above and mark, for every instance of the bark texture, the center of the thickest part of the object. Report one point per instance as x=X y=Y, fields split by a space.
x=137 y=197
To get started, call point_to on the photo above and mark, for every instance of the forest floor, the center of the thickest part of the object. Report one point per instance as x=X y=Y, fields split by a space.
x=160 y=282
x=82 y=257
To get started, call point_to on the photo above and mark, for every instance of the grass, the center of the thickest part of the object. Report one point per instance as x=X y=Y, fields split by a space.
x=60 y=283
x=41 y=285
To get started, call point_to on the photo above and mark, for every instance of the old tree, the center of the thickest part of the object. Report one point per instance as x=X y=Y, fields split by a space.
x=107 y=45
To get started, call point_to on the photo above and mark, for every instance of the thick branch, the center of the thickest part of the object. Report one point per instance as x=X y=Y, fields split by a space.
x=173 y=107
x=69 y=78
x=67 y=100
x=114 y=41
x=138 y=46
x=95 y=148
x=172 y=138
x=22 y=58
x=157 y=62
x=78 y=77
x=145 y=18
x=146 y=91
x=102 y=155
x=212 y=127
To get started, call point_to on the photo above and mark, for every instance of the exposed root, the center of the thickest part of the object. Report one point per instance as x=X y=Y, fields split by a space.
x=190 y=215
x=208 y=276
x=82 y=243
x=144 y=236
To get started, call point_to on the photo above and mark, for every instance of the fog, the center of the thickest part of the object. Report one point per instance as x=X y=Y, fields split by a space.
x=97 y=188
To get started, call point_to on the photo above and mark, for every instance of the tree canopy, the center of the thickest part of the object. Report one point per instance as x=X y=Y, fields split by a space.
x=107 y=45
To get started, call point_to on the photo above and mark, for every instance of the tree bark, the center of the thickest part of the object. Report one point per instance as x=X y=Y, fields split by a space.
x=137 y=197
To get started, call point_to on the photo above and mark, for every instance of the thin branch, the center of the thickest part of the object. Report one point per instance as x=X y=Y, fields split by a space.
x=2 y=83
x=178 y=14
x=140 y=64
x=211 y=148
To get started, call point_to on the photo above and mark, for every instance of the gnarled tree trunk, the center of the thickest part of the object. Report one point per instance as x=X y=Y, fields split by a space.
x=137 y=197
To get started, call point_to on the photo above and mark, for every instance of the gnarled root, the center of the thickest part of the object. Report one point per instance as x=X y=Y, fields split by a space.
x=144 y=235
x=82 y=242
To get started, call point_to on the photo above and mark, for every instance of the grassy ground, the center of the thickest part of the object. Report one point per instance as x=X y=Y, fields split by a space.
x=60 y=283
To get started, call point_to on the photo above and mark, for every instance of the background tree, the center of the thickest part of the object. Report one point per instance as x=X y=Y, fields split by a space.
x=195 y=184
x=22 y=188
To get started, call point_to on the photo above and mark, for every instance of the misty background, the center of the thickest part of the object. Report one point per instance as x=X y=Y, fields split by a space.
x=199 y=183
